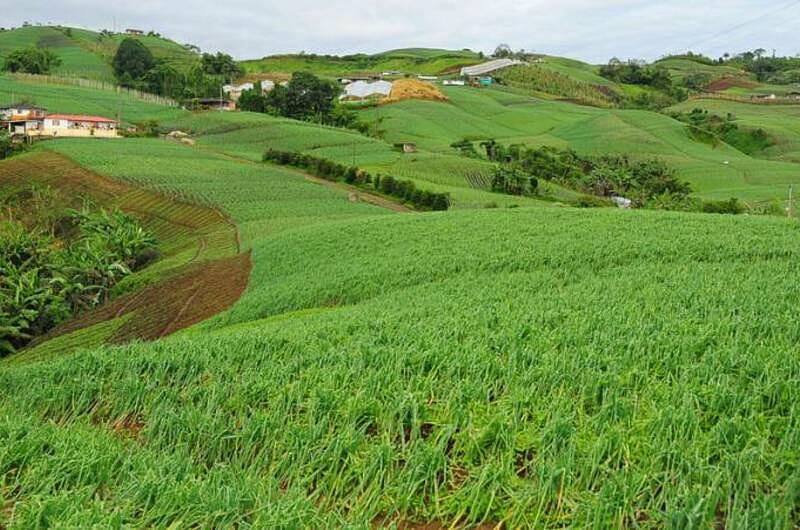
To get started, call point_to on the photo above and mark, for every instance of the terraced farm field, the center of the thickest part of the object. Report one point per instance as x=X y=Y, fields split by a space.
x=524 y=367
x=717 y=173
x=193 y=241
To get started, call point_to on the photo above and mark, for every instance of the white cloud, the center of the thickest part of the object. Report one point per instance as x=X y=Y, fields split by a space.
x=589 y=30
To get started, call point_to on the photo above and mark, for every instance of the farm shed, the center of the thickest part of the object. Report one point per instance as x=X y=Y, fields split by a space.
x=22 y=110
x=480 y=70
x=406 y=147
x=137 y=32
x=235 y=91
x=364 y=90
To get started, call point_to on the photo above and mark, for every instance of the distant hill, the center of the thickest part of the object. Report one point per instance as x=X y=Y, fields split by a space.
x=428 y=61
x=88 y=54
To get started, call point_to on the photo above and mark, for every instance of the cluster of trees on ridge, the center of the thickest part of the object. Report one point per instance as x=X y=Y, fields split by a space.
x=305 y=97
x=56 y=263
x=773 y=69
x=648 y=183
x=405 y=190
x=135 y=67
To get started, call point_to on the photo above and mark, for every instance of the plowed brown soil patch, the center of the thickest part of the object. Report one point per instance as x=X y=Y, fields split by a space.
x=725 y=83
x=201 y=283
x=403 y=89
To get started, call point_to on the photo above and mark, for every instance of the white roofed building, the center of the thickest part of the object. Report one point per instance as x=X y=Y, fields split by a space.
x=480 y=70
x=364 y=90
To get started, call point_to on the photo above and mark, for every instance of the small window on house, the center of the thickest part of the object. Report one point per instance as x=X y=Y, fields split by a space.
x=56 y=123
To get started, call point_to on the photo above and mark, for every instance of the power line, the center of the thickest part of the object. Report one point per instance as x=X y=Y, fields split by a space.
x=779 y=9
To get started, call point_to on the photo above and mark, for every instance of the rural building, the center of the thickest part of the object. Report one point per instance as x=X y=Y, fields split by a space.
x=235 y=91
x=481 y=70
x=363 y=90
x=74 y=125
x=136 y=32
x=22 y=110
x=764 y=97
x=406 y=147
x=20 y=119
x=454 y=82
x=427 y=77
x=213 y=104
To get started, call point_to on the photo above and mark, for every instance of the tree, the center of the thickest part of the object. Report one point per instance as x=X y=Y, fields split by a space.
x=222 y=65
x=31 y=61
x=5 y=144
x=132 y=58
x=502 y=51
x=165 y=80
x=306 y=96
x=253 y=100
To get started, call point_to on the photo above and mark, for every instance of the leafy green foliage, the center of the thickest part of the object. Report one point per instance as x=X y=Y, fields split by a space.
x=305 y=97
x=132 y=61
x=221 y=65
x=44 y=280
x=713 y=129
x=31 y=61
x=605 y=176
x=405 y=190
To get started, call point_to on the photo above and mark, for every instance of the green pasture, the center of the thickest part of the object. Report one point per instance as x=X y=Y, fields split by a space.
x=410 y=61
x=69 y=99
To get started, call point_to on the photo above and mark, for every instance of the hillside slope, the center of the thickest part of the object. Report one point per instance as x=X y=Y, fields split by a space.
x=529 y=367
x=409 y=61
x=88 y=54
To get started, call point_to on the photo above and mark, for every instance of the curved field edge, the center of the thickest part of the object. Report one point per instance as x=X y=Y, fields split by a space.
x=200 y=273
x=535 y=368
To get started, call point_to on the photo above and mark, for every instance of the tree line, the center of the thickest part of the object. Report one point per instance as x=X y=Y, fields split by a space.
x=135 y=67
x=405 y=190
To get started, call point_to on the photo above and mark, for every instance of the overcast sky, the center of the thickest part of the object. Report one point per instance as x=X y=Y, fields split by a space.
x=592 y=30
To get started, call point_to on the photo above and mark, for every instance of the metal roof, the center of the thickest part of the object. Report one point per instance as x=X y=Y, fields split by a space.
x=491 y=66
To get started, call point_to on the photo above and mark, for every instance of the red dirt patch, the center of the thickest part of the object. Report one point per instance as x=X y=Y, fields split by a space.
x=725 y=83
x=184 y=295
x=129 y=426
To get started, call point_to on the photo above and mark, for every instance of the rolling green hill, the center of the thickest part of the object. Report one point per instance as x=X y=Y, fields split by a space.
x=88 y=54
x=410 y=61
x=718 y=173
x=526 y=367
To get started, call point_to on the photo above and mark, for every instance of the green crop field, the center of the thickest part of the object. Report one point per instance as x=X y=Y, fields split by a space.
x=509 y=363
x=533 y=367
x=781 y=122
x=58 y=98
x=715 y=172
x=410 y=61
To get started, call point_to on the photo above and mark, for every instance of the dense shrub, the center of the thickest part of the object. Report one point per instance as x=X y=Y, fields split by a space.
x=405 y=190
x=713 y=129
x=604 y=176
x=44 y=279
x=32 y=61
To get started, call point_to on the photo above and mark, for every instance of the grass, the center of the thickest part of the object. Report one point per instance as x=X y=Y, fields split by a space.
x=533 y=367
x=779 y=121
x=80 y=100
x=715 y=173
x=411 y=61
x=85 y=53
x=247 y=136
